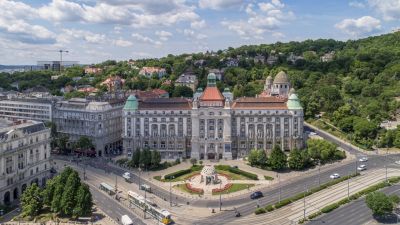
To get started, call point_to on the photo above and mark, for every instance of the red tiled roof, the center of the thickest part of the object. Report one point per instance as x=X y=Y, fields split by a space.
x=260 y=103
x=211 y=94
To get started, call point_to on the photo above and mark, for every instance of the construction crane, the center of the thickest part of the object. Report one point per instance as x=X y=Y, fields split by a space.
x=61 y=53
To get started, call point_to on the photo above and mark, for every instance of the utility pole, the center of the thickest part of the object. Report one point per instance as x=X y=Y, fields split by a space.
x=304 y=201
x=61 y=52
x=386 y=156
x=279 y=184
x=170 y=189
x=348 y=189
x=139 y=176
x=116 y=186
x=319 y=173
x=220 y=197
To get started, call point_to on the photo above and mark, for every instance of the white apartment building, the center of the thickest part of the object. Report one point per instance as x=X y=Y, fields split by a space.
x=214 y=125
x=24 y=157
x=27 y=108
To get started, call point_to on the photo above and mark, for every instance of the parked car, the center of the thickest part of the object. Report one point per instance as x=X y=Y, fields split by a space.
x=334 y=176
x=127 y=176
x=363 y=159
x=362 y=167
x=397 y=162
x=257 y=194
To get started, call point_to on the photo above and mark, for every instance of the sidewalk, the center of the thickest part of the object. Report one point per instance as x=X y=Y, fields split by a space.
x=292 y=213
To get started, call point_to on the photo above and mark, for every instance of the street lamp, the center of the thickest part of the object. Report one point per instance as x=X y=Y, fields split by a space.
x=220 y=197
x=319 y=173
x=170 y=189
x=279 y=184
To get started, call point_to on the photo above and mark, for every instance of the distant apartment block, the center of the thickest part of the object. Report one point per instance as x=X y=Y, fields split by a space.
x=92 y=70
x=150 y=71
x=101 y=121
x=24 y=157
x=27 y=108
x=327 y=57
x=56 y=65
x=187 y=80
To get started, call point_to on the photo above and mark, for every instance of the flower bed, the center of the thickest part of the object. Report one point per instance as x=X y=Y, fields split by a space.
x=225 y=175
x=226 y=187
x=193 y=189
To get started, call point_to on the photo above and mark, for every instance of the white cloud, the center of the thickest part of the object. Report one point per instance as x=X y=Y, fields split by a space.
x=198 y=24
x=263 y=17
x=389 y=9
x=357 y=4
x=361 y=26
x=193 y=35
x=138 y=13
x=144 y=39
x=122 y=43
x=164 y=35
x=69 y=34
x=219 y=4
x=61 y=10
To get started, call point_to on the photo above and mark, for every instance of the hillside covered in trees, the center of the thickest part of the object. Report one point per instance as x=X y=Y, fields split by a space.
x=355 y=90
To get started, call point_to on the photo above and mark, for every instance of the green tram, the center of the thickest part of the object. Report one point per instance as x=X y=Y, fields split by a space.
x=161 y=215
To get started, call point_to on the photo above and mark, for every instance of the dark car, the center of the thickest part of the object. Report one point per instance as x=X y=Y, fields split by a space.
x=257 y=194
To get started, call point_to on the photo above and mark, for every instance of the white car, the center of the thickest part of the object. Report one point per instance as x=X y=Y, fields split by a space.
x=362 y=167
x=397 y=162
x=334 y=176
x=363 y=159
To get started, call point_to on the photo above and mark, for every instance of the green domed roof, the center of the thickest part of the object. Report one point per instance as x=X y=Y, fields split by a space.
x=199 y=89
x=131 y=103
x=211 y=80
x=227 y=90
x=293 y=102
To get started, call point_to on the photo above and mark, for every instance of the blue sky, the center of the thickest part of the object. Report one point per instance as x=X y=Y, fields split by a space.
x=94 y=31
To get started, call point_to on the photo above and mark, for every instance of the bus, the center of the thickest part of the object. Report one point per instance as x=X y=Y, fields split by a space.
x=107 y=188
x=139 y=201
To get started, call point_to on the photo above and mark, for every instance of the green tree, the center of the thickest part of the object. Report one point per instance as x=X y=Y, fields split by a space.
x=32 y=201
x=136 y=157
x=379 y=203
x=62 y=142
x=145 y=158
x=84 y=202
x=298 y=160
x=84 y=143
x=252 y=157
x=155 y=158
x=193 y=161
x=261 y=157
x=48 y=192
x=182 y=91
x=277 y=159
x=68 y=200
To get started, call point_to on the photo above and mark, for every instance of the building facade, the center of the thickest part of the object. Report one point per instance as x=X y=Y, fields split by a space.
x=213 y=125
x=98 y=120
x=24 y=157
x=27 y=108
x=188 y=80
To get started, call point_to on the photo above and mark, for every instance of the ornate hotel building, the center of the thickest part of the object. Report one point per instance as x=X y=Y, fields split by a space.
x=213 y=125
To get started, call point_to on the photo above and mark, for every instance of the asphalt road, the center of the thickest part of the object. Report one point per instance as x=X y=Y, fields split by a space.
x=111 y=207
x=356 y=212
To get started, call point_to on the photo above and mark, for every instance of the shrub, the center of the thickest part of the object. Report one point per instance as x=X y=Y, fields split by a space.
x=302 y=221
x=344 y=201
x=284 y=202
x=234 y=170
x=330 y=208
x=260 y=211
x=269 y=208
x=316 y=214
x=268 y=178
x=157 y=178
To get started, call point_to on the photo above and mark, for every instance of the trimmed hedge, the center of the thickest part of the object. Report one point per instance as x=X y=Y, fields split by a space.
x=182 y=172
x=316 y=214
x=284 y=202
x=260 y=211
x=234 y=170
x=330 y=208
x=269 y=208
x=268 y=178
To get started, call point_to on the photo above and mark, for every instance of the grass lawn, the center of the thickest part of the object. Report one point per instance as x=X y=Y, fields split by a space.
x=180 y=178
x=268 y=177
x=234 y=188
x=233 y=176
x=182 y=187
